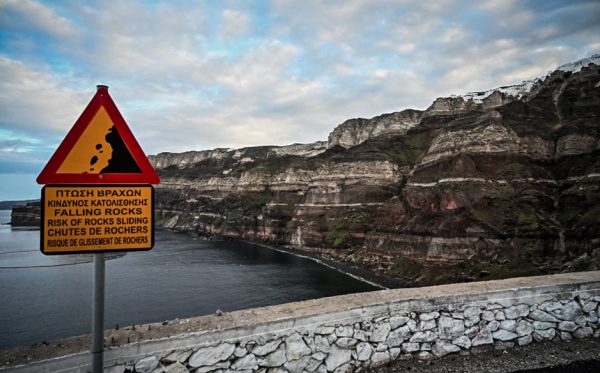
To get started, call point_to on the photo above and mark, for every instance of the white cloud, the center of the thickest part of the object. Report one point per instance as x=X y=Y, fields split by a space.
x=498 y=5
x=19 y=14
x=202 y=76
x=234 y=24
x=36 y=102
x=260 y=69
x=454 y=34
x=127 y=39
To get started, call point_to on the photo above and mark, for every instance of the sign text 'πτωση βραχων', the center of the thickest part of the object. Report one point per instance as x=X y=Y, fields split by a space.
x=97 y=218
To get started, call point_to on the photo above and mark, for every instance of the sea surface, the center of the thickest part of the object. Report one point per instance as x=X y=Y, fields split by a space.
x=47 y=297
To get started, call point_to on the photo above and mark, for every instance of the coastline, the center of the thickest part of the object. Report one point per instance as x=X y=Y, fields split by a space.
x=356 y=273
x=354 y=270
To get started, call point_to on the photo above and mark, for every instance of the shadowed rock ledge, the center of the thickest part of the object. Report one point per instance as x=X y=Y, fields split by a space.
x=27 y=215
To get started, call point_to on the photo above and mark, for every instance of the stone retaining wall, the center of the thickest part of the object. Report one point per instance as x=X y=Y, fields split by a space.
x=351 y=332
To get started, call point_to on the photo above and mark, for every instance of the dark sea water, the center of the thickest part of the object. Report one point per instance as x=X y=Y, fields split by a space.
x=47 y=297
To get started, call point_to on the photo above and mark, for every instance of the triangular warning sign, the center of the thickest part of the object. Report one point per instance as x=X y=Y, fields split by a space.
x=99 y=149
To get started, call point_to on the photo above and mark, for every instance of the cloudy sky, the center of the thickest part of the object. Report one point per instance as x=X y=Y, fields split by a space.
x=191 y=75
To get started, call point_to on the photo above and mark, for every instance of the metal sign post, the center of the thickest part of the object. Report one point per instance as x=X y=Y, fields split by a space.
x=98 y=315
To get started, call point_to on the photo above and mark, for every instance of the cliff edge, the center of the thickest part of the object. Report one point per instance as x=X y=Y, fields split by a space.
x=27 y=215
x=483 y=185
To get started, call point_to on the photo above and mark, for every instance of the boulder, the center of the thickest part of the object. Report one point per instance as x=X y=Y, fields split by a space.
x=514 y=312
x=363 y=351
x=450 y=328
x=274 y=359
x=208 y=356
x=442 y=348
x=380 y=332
x=147 y=364
x=337 y=357
x=295 y=347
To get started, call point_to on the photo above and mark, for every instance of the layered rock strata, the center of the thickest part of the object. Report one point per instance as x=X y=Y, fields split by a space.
x=477 y=186
x=27 y=215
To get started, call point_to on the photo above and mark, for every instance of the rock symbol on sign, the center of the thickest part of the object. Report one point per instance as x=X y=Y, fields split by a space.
x=99 y=149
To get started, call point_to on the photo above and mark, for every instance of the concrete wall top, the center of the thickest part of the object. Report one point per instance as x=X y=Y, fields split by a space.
x=184 y=332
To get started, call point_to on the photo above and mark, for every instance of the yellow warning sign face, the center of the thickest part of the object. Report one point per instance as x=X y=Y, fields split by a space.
x=92 y=152
x=78 y=219
x=99 y=149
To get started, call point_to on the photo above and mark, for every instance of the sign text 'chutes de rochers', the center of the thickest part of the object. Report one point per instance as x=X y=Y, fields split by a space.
x=98 y=195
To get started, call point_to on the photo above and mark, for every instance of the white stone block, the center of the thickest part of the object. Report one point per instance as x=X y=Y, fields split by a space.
x=147 y=364
x=442 y=348
x=543 y=325
x=544 y=335
x=504 y=335
x=208 y=356
x=426 y=336
x=539 y=315
x=524 y=328
x=450 y=328
x=471 y=312
x=585 y=332
x=514 y=312
x=274 y=359
x=463 y=342
x=247 y=362
x=398 y=321
x=380 y=332
x=525 y=340
x=429 y=316
x=337 y=357
x=509 y=325
x=363 y=351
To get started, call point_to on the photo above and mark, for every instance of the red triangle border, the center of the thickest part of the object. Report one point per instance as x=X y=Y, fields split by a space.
x=147 y=175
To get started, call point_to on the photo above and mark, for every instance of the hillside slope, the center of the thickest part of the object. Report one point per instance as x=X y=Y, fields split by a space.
x=489 y=184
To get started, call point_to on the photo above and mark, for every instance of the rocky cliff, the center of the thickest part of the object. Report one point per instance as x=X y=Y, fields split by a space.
x=27 y=215
x=488 y=184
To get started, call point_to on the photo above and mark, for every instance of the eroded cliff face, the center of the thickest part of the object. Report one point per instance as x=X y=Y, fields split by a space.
x=355 y=131
x=27 y=215
x=486 y=185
